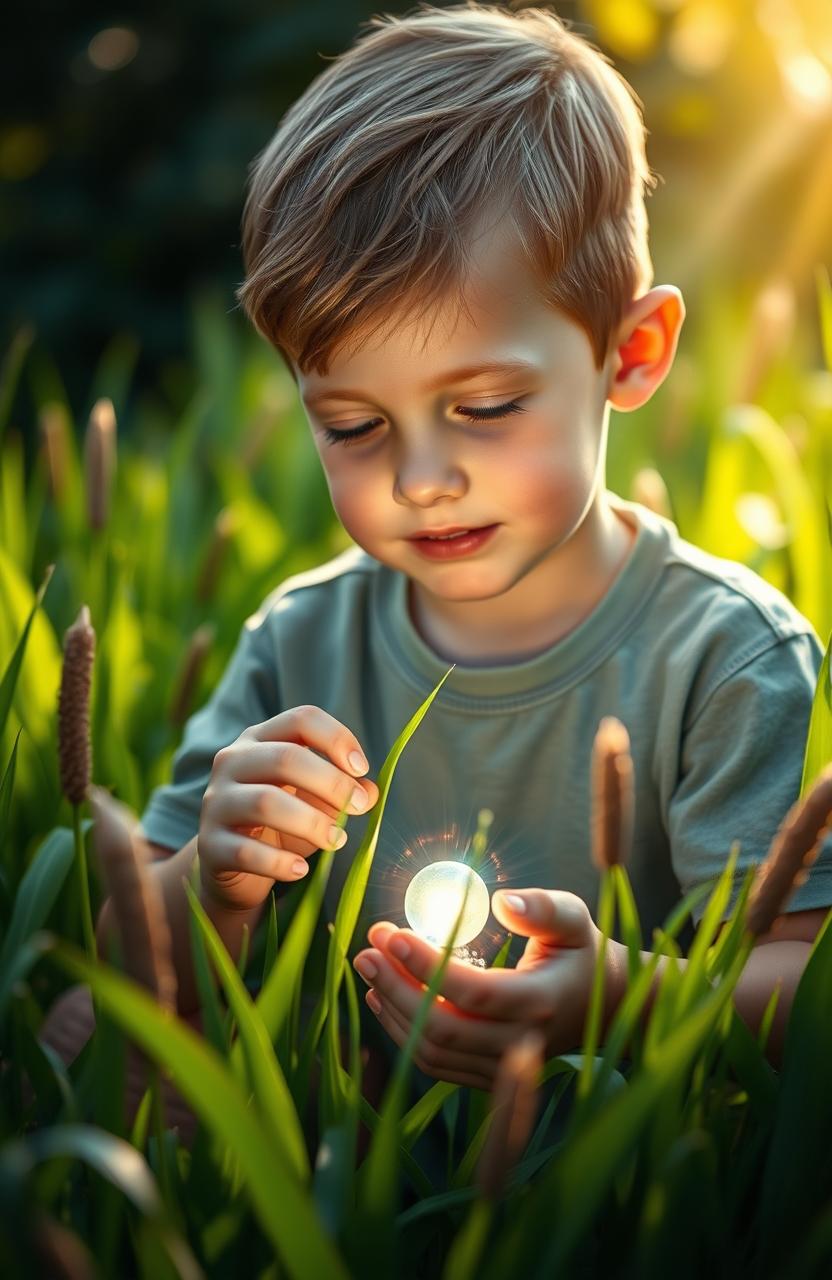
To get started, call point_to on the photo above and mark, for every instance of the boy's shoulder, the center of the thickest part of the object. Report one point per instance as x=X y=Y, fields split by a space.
x=701 y=579
x=722 y=595
x=710 y=617
x=301 y=595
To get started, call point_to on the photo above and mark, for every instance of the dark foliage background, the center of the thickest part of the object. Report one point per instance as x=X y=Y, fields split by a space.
x=123 y=157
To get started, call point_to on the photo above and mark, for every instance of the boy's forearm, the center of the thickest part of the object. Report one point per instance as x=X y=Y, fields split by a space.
x=769 y=965
x=168 y=874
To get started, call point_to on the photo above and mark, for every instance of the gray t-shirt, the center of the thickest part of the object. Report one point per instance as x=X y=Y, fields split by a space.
x=710 y=668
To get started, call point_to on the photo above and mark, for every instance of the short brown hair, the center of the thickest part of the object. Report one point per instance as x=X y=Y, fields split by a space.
x=369 y=190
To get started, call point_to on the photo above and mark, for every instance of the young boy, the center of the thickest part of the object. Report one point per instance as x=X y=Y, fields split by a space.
x=446 y=242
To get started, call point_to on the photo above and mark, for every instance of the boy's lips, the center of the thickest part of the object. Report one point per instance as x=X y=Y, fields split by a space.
x=451 y=528
x=465 y=543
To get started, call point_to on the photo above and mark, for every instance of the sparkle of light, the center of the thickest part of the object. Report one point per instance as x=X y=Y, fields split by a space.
x=434 y=898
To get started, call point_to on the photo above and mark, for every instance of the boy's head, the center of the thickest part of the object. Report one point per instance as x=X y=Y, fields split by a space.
x=483 y=171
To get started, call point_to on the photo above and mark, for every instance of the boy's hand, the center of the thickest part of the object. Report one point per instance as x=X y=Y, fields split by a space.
x=481 y=1011
x=269 y=803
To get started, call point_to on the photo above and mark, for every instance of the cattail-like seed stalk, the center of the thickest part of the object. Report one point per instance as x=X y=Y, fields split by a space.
x=513 y=1107
x=794 y=848
x=770 y=329
x=198 y=650
x=100 y=462
x=136 y=899
x=54 y=433
x=224 y=526
x=74 y=750
x=612 y=795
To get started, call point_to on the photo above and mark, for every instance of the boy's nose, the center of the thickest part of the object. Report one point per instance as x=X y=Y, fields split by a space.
x=429 y=472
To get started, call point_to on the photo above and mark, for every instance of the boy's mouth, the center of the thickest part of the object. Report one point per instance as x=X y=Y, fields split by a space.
x=455 y=545
x=453 y=531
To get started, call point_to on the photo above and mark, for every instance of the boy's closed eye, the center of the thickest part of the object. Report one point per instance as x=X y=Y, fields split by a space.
x=474 y=414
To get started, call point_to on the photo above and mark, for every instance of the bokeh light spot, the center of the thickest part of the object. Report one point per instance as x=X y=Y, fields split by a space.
x=113 y=48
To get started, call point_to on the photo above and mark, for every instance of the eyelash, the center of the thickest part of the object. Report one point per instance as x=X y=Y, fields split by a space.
x=475 y=415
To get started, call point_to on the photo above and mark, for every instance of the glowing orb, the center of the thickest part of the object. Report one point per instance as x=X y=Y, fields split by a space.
x=434 y=898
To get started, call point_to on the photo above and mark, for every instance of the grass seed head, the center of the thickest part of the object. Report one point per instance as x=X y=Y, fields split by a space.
x=769 y=331
x=793 y=850
x=100 y=461
x=513 y=1108
x=612 y=794
x=198 y=650
x=54 y=434
x=224 y=527
x=74 y=749
x=136 y=898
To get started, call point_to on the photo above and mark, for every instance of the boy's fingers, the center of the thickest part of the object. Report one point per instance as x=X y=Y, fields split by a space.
x=476 y=1072
x=315 y=728
x=504 y=994
x=446 y=1027
x=553 y=915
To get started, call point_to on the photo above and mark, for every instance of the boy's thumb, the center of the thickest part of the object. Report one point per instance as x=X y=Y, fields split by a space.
x=550 y=914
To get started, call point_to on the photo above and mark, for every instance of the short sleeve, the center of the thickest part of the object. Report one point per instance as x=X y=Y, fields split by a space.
x=741 y=763
x=246 y=694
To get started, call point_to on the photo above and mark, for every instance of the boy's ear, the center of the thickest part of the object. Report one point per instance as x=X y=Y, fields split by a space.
x=646 y=345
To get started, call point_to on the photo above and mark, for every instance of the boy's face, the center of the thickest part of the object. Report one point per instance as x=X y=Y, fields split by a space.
x=536 y=472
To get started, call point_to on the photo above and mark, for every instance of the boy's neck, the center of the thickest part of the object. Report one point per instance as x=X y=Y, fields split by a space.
x=554 y=598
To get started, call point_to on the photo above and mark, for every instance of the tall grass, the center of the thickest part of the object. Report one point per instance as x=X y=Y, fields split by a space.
x=673 y=1145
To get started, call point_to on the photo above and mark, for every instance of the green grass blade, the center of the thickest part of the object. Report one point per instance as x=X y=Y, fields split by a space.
x=592 y=1028
x=418 y=1178
x=380 y=1183
x=283 y=1208
x=213 y=1020
x=465 y=1169
x=720 y=956
x=818 y=751
x=804 y=514
x=417 y=1119
x=124 y=1169
x=10 y=676
x=582 y=1171
x=694 y=980
x=268 y=1083
x=271 y=941
x=276 y=997
x=335 y=1167
x=792 y=1188
x=242 y=959
x=352 y=895
x=628 y=914
x=501 y=958
x=8 y=873
x=35 y=898
x=465 y=1253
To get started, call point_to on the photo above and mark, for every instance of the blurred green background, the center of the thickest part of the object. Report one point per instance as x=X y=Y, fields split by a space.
x=128 y=129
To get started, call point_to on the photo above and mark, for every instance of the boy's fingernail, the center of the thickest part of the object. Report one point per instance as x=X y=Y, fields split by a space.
x=399 y=948
x=373 y=1001
x=515 y=904
x=366 y=968
x=300 y=867
x=357 y=762
x=359 y=798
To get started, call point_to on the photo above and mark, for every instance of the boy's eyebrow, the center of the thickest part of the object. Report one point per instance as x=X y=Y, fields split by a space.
x=450 y=375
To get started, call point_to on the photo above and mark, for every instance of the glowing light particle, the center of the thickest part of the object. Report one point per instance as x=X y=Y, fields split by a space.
x=434 y=898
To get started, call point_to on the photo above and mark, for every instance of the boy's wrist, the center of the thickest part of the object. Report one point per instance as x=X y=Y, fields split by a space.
x=216 y=905
x=615 y=981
